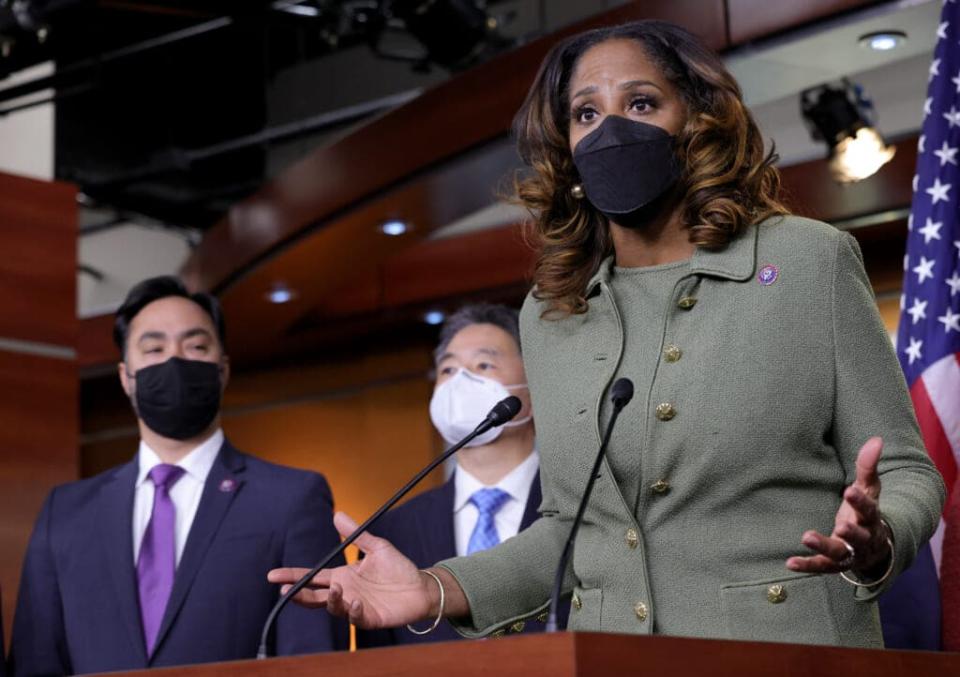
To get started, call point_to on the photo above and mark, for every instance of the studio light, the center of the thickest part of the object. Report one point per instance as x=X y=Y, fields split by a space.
x=451 y=30
x=842 y=117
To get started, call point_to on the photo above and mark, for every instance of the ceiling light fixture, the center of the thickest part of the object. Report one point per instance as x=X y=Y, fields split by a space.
x=394 y=227
x=280 y=294
x=434 y=317
x=882 y=41
x=843 y=117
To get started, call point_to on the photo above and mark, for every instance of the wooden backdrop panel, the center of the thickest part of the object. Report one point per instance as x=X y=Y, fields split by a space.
x=38 y=395
x=38 y=449
x=38 y=233
x=751 y=19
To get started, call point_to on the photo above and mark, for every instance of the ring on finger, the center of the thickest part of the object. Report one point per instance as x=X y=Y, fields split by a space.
x=847 y=561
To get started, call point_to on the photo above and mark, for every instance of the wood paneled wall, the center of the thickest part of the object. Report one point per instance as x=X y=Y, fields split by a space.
x=38 y=373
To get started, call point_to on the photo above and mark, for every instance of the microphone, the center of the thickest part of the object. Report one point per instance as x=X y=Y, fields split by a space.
x=620 y=394
x=502 y=411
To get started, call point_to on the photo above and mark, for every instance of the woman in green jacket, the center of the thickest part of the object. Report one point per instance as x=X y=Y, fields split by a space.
x=768 y=480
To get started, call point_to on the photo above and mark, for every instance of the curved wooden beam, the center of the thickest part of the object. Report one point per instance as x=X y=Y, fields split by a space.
x=469 y=110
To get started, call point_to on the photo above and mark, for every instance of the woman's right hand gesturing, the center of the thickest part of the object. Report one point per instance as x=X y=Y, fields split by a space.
x=383 y=590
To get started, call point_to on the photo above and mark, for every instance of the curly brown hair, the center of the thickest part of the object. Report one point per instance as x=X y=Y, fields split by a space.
x=728 y=181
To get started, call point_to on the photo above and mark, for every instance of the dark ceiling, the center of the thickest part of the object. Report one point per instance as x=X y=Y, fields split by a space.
x=177 y=109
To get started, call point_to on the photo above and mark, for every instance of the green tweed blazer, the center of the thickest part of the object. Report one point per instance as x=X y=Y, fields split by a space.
x=777 y=387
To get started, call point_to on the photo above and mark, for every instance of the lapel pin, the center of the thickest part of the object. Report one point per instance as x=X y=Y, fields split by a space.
x=228 y=485
x=768 y=275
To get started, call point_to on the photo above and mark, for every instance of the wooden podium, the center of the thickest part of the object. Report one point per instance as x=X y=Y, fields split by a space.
x=564 y=654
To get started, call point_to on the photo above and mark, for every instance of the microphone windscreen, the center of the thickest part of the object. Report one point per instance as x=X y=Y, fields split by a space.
x=504 y=410
x=622 y=391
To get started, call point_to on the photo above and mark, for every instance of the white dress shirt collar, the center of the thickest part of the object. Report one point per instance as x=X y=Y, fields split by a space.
x=516 y=483
x=196 y=464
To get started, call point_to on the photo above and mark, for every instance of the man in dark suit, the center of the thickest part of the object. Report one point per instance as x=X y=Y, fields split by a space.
x=494 y=491
x=163 y=561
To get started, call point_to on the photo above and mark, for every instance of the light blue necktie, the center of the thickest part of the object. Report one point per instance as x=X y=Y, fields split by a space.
x=488 y=502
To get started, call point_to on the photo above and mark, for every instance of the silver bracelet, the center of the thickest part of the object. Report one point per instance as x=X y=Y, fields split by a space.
x=443 y=601
x=886 y=574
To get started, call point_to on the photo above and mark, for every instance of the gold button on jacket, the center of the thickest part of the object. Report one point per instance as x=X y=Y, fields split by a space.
x=632 y=539
x=660 y=487
x=672 y=353
x=666 y=411
x=640 y=609
x=776 y=594
x=687 y=302
x=577 y=604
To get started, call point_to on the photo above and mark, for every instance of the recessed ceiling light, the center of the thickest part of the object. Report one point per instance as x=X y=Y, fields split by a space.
x=394 y=227
x=434 y=317
x=280 y=294
x=882 y=41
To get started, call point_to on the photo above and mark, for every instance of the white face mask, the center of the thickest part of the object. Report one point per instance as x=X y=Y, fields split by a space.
x=460 y=404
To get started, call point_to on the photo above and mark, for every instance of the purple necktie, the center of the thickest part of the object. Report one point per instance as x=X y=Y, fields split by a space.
x=158 y=553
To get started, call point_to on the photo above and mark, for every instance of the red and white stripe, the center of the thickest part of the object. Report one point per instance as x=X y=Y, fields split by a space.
x=936 y=398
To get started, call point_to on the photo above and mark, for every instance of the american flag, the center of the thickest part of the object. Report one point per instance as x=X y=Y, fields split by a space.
x=928 y=339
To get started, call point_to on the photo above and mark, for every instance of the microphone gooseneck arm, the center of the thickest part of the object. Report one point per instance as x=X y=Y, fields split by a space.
x=621 y=393
x=502 y=412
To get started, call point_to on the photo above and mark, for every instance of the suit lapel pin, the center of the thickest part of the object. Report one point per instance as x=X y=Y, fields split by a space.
x=768 y=275
x=228 y=485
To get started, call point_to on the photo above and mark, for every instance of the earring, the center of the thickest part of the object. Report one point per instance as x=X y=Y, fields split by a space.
x=576 y=190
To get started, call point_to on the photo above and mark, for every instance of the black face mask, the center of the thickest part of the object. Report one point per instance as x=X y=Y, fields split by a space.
x=178 y=398
x=625 y=166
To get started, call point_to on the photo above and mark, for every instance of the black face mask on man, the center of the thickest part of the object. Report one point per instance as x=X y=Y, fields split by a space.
x=178 y=398
x=625 y=167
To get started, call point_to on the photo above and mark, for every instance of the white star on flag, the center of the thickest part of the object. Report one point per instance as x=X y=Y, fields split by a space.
x=938 y=191
x=954 y=283
x=926 y=106
x=918 y=311
x=956 y=81
x=921 y=142
x=942 y=30
x=950 y=320
x=913 y=350
x=916 y=182
x=934 y=68
x=910 y=222
x=947 y=154
x=924 y=269
x=952 y=116
x=931 y=231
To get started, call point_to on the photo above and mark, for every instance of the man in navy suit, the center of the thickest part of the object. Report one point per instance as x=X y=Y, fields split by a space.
x=163 y=561
x=494 y=491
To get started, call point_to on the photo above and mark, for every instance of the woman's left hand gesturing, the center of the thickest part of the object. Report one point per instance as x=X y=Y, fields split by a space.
x=860 y=538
